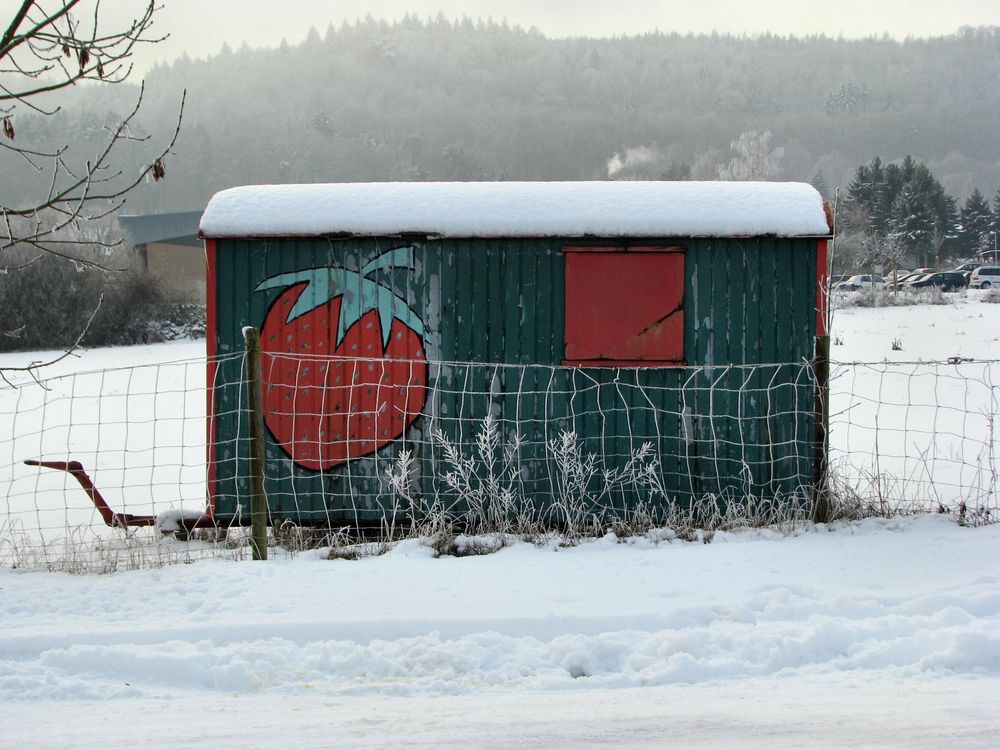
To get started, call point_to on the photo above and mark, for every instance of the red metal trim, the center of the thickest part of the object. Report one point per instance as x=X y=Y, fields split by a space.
x=211 y=344
x=822 y=277
x=624 y=249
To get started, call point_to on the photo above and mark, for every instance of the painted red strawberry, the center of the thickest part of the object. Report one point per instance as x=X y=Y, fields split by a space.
x=345 y=368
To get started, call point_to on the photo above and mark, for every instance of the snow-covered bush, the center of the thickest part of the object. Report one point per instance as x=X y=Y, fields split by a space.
x=48 y=301
x=888 y=298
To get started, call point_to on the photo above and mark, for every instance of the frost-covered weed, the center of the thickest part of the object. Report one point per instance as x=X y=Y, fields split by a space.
x=79 y=550
x=872 y=495
x=889 y=298
x=487 y=510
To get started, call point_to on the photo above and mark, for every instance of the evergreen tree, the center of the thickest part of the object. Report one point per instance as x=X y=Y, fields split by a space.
x=907 y=201
x=996 y=211
x=977 y=221
x=869 y=190
x=911 y=220
x=946 y=229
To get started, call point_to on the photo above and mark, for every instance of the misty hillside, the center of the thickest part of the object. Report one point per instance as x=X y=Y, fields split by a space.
x=422 y=100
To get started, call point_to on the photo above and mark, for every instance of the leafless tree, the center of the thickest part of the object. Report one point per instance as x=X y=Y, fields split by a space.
x=755 y=159
x=47 y=47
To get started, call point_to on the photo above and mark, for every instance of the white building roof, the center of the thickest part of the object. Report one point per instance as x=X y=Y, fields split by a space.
x=520 y=209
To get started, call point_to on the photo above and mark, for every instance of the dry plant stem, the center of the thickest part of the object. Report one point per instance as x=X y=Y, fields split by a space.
x=488 y=513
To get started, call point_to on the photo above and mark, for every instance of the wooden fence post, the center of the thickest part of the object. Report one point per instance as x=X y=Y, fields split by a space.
x=821 y=494
x=255 y=407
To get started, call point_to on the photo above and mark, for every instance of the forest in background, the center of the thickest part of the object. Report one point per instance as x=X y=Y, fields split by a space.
x=481 y=100
x=907 y=128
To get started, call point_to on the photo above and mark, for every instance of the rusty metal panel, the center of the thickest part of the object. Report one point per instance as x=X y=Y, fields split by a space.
x=624 y=307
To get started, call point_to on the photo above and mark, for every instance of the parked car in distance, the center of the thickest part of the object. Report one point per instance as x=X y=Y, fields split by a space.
x=969 y=266
x=838 y=278
x=924 y=271
x=984 y=277
x=900 y=277
x=946 y=281
x=861 y=281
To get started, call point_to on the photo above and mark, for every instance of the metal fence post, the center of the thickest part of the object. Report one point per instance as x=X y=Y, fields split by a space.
x=821 y=511
x=255 y=407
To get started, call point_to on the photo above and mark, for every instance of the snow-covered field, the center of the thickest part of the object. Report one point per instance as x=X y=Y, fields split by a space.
x=884 y=633
x=923 y=427
x=134 y=416
x=879 y=634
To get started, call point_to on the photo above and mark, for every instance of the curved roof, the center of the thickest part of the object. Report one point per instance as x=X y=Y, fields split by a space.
x=520 y=209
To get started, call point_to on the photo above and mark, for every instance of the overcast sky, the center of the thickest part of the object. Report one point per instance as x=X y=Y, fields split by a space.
x=199 y=27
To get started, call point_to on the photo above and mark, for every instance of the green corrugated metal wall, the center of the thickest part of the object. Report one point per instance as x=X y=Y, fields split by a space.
x=500 y=303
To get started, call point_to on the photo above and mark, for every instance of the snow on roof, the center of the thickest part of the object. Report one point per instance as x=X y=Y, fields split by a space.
x=520 y=209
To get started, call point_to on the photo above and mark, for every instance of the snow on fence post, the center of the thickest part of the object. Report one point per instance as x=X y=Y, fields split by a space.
x=821 y=371
x=255 y=406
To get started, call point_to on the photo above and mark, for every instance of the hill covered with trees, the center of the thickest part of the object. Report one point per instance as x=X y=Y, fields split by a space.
x=472 y=100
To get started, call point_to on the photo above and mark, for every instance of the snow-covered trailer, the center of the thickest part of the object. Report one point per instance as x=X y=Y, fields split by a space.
x=398 y=317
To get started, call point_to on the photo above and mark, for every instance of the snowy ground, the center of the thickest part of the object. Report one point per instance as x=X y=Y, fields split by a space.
x=880 y=634
x=925 y=427
x=877 y=634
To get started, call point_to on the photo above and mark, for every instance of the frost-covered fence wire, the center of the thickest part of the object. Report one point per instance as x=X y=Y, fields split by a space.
x=918 y=434
x=904 y=436
x=139 y=432
x=547 y=436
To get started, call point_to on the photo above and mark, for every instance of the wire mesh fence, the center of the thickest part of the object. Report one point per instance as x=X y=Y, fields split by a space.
x=375 y=444
x=917 y=434
x=139 y=432
x=710 y=430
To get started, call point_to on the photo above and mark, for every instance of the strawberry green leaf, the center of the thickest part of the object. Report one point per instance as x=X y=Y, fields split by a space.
x=358 y=294
x=401 y=257
x=322 y=285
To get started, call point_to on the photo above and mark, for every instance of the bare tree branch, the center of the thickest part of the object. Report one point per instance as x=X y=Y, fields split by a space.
x=64 y=50
x=34 y=367
x=49 y=39
x=47 y=46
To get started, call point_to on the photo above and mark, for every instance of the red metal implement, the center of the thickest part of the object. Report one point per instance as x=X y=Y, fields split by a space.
x=117 y=520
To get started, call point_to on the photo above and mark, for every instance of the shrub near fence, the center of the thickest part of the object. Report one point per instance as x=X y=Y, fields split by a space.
x=126 y=305
x=730 y=432
x=904 y=437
